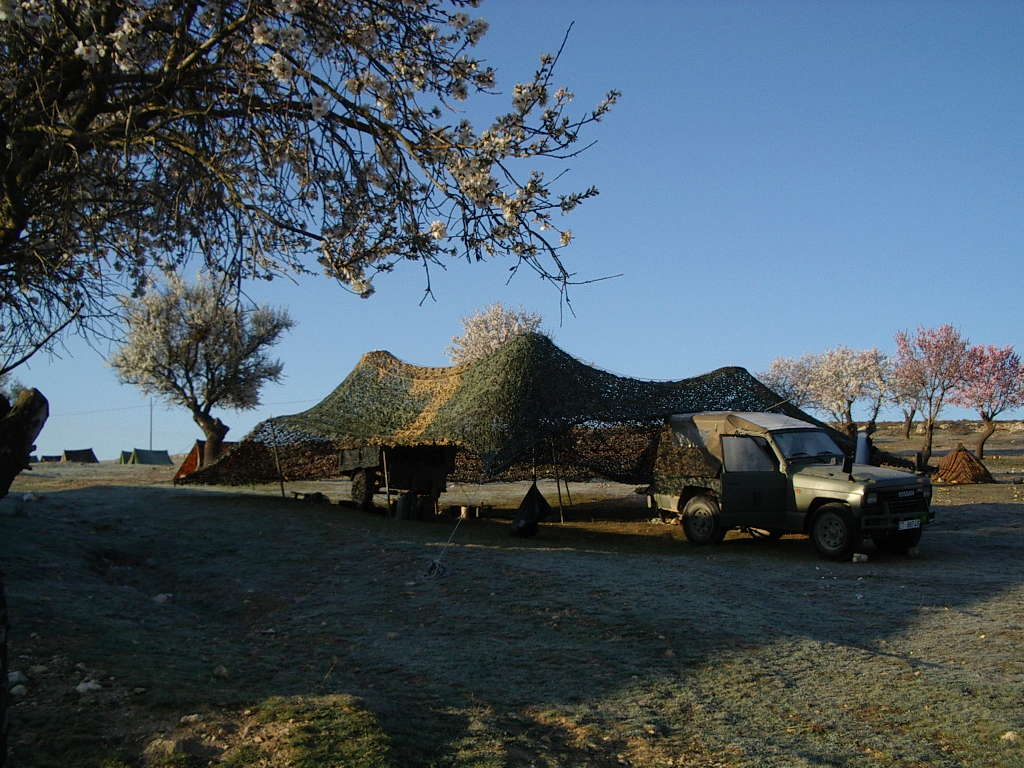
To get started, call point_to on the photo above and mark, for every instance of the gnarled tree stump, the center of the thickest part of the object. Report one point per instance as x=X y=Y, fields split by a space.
x=19 y=427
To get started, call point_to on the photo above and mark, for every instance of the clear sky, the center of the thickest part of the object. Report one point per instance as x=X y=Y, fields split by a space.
x=778 y=178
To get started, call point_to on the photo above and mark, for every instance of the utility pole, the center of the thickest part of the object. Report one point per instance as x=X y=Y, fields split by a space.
x=151 y=423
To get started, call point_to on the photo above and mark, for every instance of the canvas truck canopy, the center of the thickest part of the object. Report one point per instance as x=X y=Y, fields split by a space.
x=703 y=431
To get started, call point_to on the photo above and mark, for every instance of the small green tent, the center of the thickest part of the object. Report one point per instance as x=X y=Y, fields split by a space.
x=142 y=456
x=83 y=456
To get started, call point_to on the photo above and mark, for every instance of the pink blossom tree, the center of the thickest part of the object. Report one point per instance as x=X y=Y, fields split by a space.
x=905 y=388
x=937 y=359
x=994 y=383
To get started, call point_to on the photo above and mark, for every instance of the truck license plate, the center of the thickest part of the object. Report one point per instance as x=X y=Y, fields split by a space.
x=906 y=525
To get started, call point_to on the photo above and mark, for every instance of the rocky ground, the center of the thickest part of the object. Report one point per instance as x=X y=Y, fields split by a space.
x=189 y=627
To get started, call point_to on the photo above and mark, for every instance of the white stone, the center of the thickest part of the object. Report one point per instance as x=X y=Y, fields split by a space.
x=1010 y=737
x=162 y=598
x=18 y=691
x=88 y=686
x=15 y=678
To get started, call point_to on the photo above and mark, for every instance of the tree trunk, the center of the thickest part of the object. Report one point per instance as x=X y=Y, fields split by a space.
x=19 y=427
x=926 y=444
x=3 y=673
x=214 y=429
x=986 y=433
x=908 y=422
x=849 y=425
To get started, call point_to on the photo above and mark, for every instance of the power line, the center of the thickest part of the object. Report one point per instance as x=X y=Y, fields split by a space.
x=166 y=408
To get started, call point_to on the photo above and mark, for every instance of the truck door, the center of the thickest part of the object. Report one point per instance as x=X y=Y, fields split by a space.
x=753 y=489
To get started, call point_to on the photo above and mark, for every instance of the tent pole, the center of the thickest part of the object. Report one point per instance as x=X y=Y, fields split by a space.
x=558 y=483
x=387 y=480
x=277 y=459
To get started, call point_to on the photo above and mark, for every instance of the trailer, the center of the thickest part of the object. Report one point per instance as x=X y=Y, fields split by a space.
x=419 y=470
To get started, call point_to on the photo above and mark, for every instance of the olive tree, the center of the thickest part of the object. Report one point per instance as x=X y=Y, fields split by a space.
x=197 y=347
x=263 y=137
x=488 y=329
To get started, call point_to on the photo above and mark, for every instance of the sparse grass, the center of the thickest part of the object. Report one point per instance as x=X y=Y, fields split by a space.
x=327 y=732
x=599 y=643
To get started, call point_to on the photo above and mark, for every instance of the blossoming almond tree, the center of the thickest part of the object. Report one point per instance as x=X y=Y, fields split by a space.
x=195 y=347
x=832 y=382
x=262 y=137
x=936 y=359
x=836 y=383
x=993 y=383
x=488 y=330
x=789 y=378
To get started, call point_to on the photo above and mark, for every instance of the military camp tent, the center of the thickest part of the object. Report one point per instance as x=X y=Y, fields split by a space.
x=84 y=456
x=519 y=404
x=143 y=456
x=194 y=459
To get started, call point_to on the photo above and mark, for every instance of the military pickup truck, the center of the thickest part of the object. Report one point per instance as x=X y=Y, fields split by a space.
x=772 y=475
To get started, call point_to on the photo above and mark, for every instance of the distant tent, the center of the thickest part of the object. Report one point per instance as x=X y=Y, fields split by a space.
x=33 y=459
x=84 y=456
x=50 y=459
x=194 y=458
x=142 y=456
x=962 y=466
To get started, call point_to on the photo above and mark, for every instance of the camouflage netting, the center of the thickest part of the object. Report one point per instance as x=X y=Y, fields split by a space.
x=528 y=402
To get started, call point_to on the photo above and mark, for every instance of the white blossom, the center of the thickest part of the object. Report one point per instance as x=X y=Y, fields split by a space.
x=438 y=230
x=319 y=106
x=281 y=68
x=488 y=329
x=262 y=34
x=89 y=52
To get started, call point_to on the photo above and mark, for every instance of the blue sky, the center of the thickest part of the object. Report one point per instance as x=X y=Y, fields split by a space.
x=778 y=178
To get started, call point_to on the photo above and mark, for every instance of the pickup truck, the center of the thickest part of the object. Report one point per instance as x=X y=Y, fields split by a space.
x=772 y=475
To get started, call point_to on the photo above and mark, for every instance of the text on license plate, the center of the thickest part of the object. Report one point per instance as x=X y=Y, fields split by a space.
x=906 y=525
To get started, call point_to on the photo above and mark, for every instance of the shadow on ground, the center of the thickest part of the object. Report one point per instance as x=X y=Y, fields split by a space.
x=606 y=644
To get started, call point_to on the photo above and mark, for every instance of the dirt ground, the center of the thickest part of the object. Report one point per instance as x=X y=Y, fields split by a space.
x=152 y=622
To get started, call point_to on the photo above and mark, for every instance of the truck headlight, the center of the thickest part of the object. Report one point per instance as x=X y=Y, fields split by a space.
x=870 y=499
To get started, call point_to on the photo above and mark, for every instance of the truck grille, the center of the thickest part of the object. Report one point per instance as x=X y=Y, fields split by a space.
x=891 y=509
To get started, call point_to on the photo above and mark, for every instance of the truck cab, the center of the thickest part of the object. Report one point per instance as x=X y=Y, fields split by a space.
x=772 y=475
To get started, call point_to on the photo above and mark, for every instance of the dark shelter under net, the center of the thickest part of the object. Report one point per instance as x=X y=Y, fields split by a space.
x=525 y=403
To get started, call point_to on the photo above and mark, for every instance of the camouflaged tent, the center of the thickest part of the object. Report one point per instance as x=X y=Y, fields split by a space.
x=528 y=397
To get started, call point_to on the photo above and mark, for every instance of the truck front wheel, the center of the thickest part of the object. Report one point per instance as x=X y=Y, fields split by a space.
x=835 y=532
x=702 y=523
x=897 y=542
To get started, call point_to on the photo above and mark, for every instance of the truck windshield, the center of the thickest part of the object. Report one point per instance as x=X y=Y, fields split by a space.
x=807 y=444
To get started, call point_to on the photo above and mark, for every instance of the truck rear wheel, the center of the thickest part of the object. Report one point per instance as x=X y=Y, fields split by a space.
x=897 y=542
x=702 y=522
x=835 y=532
